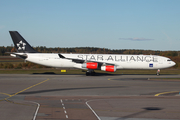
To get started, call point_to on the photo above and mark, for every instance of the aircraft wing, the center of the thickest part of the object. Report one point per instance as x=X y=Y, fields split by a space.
x=85 y=61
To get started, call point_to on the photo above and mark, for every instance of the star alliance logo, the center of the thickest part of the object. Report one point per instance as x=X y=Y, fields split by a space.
x=21 y=45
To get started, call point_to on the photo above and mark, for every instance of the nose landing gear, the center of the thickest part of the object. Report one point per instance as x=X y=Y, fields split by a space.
x=158 y=71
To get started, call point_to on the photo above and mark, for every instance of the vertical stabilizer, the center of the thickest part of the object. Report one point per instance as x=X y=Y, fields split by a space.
x=20 y=43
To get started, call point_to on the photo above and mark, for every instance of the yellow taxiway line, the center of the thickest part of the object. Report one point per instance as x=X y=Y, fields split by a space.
x=166 y=93
x=5 y=94
x=29 y=88
x=22 y=90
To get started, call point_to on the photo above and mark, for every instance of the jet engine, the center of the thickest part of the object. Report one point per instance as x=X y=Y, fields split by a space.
x=109 y=68
x=90 y=65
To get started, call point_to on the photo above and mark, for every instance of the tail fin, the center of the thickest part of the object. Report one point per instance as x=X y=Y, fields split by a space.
x=20 y=43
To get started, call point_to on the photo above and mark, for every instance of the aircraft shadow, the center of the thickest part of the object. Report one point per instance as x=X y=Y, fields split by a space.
x=49 y=73
x=96 y=74
x=65 y=89
x=146 y=110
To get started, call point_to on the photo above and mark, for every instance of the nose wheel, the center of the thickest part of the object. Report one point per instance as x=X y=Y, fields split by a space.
x=158 y=71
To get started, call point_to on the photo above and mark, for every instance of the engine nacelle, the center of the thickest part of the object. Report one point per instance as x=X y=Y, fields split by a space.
x=109 y=68
x=90 y=65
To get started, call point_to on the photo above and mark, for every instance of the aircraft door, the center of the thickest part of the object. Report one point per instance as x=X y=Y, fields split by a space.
x=160 y=61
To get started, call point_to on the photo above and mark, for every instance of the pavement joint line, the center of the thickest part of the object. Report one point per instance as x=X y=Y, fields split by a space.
x=166 y=93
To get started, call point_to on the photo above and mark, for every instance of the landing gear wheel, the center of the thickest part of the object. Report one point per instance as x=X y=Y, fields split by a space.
x=87 y=73
x=90 y=73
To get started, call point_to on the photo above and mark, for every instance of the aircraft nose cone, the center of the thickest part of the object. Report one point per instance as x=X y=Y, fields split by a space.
x=173 y=63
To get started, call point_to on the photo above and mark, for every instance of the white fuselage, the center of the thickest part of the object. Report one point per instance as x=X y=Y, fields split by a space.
x=121 y=61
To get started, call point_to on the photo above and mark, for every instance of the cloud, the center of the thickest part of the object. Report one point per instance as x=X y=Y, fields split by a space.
x=136 y=39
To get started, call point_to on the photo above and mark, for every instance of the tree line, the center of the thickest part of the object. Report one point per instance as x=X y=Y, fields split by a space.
x=22 y=65
x=92 y=50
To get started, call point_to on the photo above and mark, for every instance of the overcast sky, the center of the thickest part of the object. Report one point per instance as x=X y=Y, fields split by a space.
x=112 y=24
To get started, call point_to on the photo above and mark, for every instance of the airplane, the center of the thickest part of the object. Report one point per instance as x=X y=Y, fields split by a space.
x=89 y=62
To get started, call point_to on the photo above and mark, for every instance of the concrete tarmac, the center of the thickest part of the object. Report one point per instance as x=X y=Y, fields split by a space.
x=80 y=97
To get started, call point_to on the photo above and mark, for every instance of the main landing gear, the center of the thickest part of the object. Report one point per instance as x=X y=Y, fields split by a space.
x=158 y=71
x=90 y=73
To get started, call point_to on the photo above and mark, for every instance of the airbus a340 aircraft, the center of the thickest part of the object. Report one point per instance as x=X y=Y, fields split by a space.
x=89 y=62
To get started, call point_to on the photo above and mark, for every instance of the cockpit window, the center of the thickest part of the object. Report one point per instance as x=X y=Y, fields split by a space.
x=169 y=60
